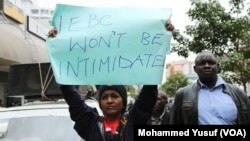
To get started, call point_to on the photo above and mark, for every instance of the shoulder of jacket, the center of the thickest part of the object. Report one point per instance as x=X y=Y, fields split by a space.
x=188 y=87
x=232 y=87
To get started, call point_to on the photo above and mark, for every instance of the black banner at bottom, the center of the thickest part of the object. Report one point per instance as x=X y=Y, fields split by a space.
x=215 y=132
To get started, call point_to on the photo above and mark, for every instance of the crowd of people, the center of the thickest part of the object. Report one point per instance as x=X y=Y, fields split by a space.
x=209 y=101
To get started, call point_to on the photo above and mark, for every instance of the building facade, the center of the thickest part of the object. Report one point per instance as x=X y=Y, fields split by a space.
x=182 y=66
x=23 y=37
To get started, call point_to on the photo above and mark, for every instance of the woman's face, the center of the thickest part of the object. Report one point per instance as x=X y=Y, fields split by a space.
x=111 y=103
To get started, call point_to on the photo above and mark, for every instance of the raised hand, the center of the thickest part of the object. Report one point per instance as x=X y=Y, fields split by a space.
x=169 y=26
x=53 y=32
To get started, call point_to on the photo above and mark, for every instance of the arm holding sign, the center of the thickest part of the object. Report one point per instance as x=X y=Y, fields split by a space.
x=114 y=124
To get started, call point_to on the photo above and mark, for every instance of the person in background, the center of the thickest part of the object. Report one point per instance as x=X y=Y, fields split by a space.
x=86 y=91
x=129 y=106
x=114 y=125
x=210 y=101
x=97 y=91
x=160 y=115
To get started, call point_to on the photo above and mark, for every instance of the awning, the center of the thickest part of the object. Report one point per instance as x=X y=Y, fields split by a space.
x=16 y=48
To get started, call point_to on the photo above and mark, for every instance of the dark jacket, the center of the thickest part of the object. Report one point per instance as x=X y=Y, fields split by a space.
x=185 y=109
x=87 y=122
x=165 y=119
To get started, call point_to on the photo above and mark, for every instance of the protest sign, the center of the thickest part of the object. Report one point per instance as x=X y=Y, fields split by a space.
x=109 y=45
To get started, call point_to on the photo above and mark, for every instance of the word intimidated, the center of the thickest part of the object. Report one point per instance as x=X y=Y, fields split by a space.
x=110 y=64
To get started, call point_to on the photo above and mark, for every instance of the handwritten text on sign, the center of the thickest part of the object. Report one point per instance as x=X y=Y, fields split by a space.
x=118 y=45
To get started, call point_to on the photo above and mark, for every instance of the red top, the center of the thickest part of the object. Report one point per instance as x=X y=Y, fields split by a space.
x=111 y=125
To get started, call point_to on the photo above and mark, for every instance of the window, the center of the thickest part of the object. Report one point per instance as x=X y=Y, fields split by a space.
x=43 y=11
x=34 y=11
